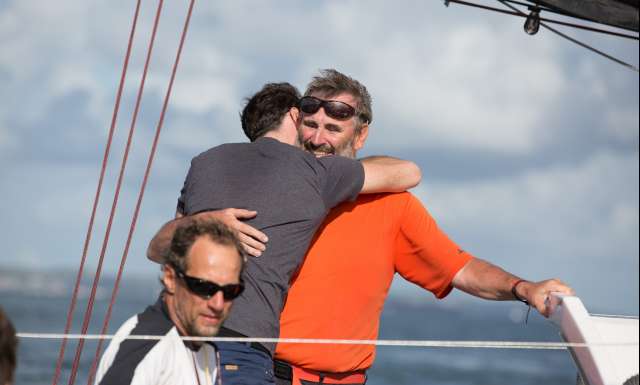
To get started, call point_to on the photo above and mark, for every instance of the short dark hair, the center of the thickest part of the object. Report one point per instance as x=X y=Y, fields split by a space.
x=187 y=233
x=8 y=347
x=265 y=110
x=331 y=83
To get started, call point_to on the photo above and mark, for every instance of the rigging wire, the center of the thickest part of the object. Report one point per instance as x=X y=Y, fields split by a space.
x=519 y=13
x=134 y=220
x=87 y=241
x=407 y=343
x=584 y=45
x=96 y=278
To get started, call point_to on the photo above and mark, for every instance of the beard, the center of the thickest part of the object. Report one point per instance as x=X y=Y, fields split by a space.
x=344 y=149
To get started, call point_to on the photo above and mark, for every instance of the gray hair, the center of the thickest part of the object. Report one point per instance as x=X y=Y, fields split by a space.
x=332 y=83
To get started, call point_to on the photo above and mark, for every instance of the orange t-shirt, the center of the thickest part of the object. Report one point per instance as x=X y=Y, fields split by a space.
x=341 y=287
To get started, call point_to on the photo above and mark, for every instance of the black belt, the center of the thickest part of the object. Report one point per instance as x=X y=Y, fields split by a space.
x=225 y=332
x=282 y=370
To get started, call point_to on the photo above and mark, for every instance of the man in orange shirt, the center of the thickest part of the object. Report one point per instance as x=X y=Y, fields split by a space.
x=339 y=291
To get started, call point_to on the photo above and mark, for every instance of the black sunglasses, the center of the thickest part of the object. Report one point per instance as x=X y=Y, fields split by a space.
x=333 y=108
x=207 y=289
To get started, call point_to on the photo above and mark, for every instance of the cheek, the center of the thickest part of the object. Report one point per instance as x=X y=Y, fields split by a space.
x=305 y=133
x=185 y=303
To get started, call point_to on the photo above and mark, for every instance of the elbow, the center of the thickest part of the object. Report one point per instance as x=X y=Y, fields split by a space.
x=154 y=253
x=415 y=174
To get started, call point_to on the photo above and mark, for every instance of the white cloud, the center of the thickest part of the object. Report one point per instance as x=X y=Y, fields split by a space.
x=452 y=79
x=590 y=209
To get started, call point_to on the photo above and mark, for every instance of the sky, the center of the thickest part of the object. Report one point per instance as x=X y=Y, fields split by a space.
x=528 y=144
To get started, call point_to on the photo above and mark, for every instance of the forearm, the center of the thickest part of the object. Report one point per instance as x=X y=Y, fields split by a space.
x=387 y=174
x=161 y=242
x=485 y=280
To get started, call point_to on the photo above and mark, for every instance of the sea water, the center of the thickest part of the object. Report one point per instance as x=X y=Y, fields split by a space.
x=38 y=302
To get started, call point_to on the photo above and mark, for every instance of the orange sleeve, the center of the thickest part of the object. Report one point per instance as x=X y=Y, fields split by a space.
x=424 y=253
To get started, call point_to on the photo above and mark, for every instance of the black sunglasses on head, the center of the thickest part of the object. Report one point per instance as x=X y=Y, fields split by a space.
x=207 y=289
x=333 y=108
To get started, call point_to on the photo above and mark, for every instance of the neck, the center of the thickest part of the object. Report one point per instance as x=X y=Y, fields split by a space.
x=281 y=136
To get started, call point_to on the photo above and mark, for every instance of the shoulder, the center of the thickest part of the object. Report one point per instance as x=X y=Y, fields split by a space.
x=403 y=207
x=123 y=356
x=220 y=149
x=393 y=200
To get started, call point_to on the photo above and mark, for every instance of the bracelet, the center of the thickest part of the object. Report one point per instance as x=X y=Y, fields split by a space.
x=515 y=294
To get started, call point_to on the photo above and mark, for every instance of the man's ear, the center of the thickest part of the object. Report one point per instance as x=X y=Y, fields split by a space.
x=169 y=279
x=294 y=112
x=361 y=137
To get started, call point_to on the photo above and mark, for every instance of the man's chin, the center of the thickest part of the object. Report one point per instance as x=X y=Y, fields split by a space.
x=207 y=331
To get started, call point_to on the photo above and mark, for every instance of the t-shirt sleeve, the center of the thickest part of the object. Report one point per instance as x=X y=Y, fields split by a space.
x=344 y=179
x=424 y=253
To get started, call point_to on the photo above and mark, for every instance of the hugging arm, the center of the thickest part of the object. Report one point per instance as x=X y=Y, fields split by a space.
x=159 y=245
x=387 y=174
x=252 y=239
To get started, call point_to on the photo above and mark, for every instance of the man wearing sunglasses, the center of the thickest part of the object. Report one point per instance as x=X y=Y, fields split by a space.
x=293 y=191
x=339 y=291
x=201 y=277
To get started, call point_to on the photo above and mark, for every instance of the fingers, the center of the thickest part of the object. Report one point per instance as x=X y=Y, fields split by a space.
x=251 y=246
x=252 y=239
x=250 y=231
x=541 y=292
x=251 y=251
x=242 y=213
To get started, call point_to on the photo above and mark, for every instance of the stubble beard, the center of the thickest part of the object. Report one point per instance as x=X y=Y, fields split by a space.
x=189 y=321
x=345 y=149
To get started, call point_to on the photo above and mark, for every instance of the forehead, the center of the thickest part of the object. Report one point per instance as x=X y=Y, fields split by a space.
x=213 y=261
x=343 y=97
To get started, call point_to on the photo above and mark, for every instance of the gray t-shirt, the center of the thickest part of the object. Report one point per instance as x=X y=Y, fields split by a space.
x=292 y=191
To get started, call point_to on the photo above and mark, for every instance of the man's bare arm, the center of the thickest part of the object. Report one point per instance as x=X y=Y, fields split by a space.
x=387 y=174
x=482 y=279
x=252 y=239
x=161 y=242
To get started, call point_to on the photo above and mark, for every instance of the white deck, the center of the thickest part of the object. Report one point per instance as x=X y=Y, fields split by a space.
x=602 y=363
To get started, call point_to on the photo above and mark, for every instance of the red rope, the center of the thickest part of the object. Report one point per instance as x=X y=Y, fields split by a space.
x=114 y=293
x=96 y=279
x=87 y=240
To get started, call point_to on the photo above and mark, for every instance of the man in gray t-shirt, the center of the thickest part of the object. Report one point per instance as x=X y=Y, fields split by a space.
x=292 y=191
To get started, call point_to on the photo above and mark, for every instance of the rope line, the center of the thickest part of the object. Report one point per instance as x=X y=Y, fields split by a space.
x=134 y=220
x=96 y=278
x=614 y=316
x=406 y=343
x=575 y=41
x=105 y=159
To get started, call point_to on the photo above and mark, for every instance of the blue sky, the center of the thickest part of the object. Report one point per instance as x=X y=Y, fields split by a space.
x=528 y=144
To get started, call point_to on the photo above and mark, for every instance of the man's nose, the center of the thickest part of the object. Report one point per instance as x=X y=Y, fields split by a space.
x=216 y=302
x=317 y=138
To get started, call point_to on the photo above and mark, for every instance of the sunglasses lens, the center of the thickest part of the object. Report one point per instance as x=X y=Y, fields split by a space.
x=208 y=289
x=333 y=108
x=200 y=287
x=232 y=291
x=339 y=110
x=310 y=105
